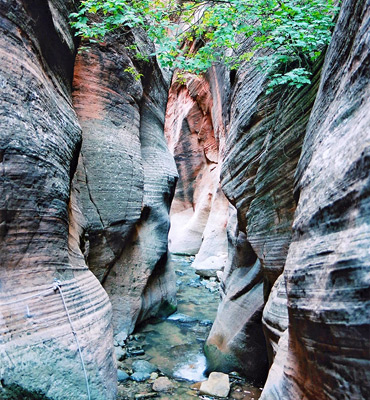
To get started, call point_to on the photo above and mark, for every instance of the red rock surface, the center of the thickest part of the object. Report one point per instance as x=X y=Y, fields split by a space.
x=195 y=135
x=39 y=145
x=126 y=177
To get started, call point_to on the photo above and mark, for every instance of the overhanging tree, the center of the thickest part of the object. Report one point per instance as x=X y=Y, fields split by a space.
x=295 y=31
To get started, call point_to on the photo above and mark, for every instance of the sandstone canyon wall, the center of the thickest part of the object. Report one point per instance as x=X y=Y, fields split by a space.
x=263 y=145
x=126 y=177
x=195 y=133
x=86 y=186
x=272 y=188
x=281 y=150
x=40 y=142
x=325 y=353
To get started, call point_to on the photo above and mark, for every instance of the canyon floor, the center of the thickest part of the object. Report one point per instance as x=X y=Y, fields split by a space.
x=175 y=345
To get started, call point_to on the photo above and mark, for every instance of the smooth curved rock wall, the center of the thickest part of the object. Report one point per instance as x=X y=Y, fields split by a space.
x=195 y=133
x=325 y=354
x=263 y=145
x=40 y=222
x=127 y=178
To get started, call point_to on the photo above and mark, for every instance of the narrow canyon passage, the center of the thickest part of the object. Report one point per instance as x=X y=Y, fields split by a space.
x=267 y=193
x=175 y=345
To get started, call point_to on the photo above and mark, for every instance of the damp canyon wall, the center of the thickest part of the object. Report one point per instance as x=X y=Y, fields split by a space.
x=126 y=178
x=273 y=190
x=195 y=133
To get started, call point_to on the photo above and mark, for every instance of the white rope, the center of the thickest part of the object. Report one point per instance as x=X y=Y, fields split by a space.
x=58 y=287
x=43 y=293
x=53 y=289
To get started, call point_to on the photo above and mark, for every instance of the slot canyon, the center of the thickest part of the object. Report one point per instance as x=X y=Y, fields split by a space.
x=154 y=230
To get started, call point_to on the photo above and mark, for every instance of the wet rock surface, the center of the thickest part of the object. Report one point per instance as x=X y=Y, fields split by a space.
x=162 y=384
x=217 y=384
x=195 y=137
x=263 y=146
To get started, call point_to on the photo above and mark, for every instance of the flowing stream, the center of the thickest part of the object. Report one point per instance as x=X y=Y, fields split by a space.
x=175 y=345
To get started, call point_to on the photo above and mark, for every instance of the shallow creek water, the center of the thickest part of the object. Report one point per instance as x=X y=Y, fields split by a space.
x=175 y=345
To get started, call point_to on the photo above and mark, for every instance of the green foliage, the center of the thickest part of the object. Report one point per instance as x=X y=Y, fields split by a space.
x=132 y=71
x=194 y=35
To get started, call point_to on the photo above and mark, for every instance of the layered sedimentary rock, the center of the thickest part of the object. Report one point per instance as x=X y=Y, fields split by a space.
x=39 y=146
x=195 y=133
x=126 y=176
x=263 y=146
x=237 y=330
x=325 y=353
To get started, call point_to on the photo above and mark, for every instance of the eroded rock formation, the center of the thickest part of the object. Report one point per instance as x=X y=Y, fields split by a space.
x=111 y=215
x=127 y=178
x=40 y=142
x=195 y=133
x=263 y=146
x=325 y=353
x=294 y=222
x=307 y=328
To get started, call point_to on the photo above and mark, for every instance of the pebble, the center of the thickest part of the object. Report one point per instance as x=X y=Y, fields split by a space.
x=120 y=338
x=162 y=384
x=153 y=376
x=194 y=284
x=138 y=352
x=179 y=272
x=120 y=353
x=143 y=367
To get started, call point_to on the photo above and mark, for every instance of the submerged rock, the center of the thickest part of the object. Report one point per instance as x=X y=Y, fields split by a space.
x=218 y=384
x=140 y=376
x=143 y=366
x=182 y=318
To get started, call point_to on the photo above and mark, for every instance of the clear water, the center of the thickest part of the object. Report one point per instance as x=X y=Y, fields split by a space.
x=175 y=345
